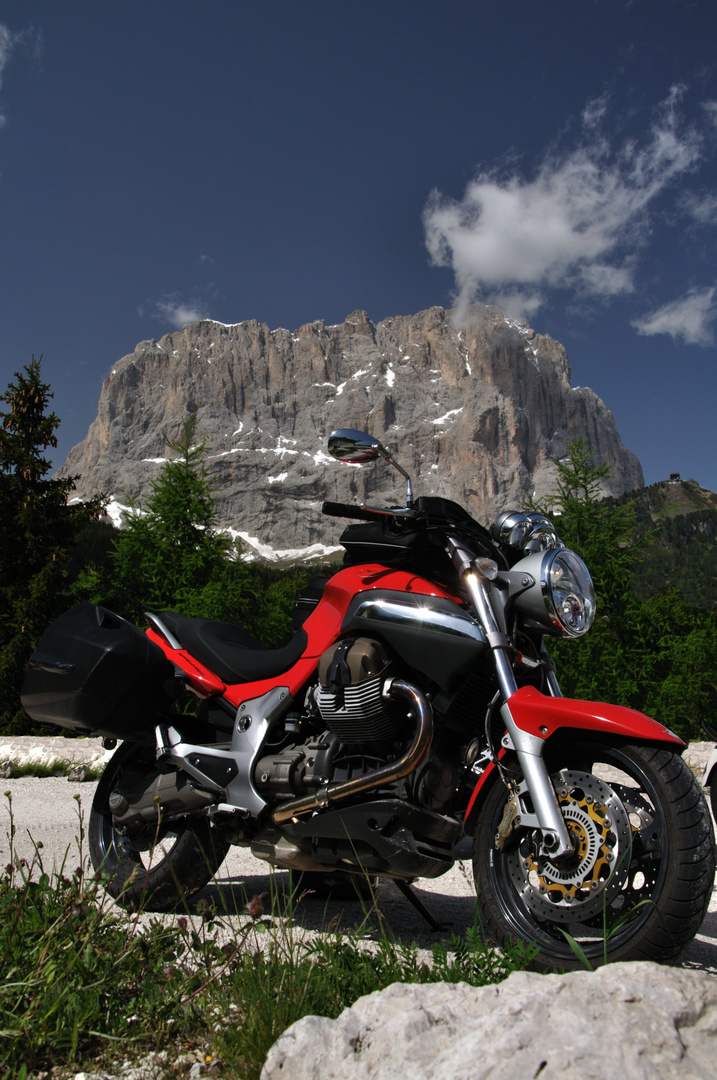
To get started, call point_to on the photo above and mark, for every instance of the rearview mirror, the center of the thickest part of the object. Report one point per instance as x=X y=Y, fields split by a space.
x=355 y=447
x=347 y=444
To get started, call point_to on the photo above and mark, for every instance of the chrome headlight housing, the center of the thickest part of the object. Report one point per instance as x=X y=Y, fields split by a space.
x=561 y=598
x=511 y=528
x=524 y=532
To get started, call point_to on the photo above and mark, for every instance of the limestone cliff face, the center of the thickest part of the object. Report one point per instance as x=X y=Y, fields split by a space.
x=474 y=414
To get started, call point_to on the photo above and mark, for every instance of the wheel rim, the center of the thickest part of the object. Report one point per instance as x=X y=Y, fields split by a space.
x=146 y=849
x=606 y=893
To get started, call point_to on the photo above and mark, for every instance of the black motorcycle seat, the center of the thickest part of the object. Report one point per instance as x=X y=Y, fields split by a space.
x=231 y=652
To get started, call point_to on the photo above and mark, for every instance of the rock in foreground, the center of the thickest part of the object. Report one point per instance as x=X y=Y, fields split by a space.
x=636 y=1021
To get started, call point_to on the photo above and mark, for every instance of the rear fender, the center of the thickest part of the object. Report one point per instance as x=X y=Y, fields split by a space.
x=544 y=717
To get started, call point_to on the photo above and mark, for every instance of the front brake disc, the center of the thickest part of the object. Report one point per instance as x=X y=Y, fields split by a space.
x=582 y=885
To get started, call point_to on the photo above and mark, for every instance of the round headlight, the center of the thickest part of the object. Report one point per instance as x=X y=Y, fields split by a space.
x=569 y=593
x=562 y=598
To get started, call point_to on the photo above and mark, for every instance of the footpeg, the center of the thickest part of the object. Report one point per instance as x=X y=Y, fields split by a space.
x=161 y=736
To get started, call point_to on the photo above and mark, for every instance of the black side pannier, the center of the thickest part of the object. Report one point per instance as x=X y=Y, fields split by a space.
x=95 y=673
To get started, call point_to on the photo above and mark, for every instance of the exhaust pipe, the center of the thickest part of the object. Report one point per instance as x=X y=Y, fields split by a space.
x=395 y=770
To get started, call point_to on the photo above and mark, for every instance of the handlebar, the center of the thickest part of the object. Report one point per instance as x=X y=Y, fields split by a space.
x=346 y=510
x=368 y=513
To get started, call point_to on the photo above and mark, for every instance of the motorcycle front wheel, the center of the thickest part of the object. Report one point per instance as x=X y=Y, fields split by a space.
x=713 y=797
x=160 y=867
x=640 y=880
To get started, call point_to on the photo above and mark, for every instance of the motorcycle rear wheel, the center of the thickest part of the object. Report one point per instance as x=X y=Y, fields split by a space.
x=165 y=865
x=640 y=883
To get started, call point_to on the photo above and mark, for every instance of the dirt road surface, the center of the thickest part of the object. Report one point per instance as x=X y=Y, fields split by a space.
x=49 y=811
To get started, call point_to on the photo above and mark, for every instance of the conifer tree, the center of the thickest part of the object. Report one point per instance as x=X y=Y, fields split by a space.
x=657 y=655
x=37 y=530
x=169 y=555
x=601 y=532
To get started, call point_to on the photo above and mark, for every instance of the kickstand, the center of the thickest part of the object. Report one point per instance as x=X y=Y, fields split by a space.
x=410 y=895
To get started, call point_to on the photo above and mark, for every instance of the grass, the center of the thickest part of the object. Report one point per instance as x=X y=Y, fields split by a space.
x=86 y=985
x=54 y=767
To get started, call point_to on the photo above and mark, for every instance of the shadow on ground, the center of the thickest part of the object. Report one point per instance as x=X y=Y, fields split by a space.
x=387 y=911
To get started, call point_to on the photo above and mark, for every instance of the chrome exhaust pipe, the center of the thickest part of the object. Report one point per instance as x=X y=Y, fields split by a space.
x=395 y=770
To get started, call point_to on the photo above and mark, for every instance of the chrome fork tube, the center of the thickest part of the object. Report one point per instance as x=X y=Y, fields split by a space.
x=497 y=640
x=529 y=749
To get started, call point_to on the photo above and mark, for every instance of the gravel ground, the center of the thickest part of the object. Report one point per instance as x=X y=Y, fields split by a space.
x=48 y=811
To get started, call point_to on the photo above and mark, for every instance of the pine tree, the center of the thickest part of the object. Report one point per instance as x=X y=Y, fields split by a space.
x=601 y=532
x=594 y=667
x=656 y=655
x=37 y=530
x=169 y=555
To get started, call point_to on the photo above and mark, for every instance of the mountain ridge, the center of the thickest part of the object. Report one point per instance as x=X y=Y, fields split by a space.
x=476 y=413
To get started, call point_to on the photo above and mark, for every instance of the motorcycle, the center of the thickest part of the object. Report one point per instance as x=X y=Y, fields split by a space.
x=416 y=704
x=709 y=773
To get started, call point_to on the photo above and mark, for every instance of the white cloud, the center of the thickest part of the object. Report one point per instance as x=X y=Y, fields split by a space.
x=576 y=224
x=688 y=318
x=519 y=303
x=701 y=206
x=176 y=312
x=9 y=41
x=595 y=111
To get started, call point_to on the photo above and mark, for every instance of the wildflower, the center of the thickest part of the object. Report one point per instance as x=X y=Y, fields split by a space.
x=255 y=908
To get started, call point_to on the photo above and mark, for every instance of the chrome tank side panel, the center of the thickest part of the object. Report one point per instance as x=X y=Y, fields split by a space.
x=430 y=633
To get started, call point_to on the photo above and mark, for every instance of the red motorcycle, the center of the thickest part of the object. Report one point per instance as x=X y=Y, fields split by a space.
x=415 y=704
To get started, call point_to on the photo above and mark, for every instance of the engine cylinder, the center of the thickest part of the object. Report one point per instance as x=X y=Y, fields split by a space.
x=350 y=696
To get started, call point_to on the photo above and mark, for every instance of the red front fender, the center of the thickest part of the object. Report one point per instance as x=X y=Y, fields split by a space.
x=543 y=716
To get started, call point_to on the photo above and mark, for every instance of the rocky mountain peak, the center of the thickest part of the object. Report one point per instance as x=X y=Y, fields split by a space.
x=475 y=413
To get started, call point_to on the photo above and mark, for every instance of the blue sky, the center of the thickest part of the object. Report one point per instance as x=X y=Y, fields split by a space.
x=291 y=160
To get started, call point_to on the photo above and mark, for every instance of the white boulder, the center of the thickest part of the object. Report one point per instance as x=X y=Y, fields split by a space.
x=632 y=1021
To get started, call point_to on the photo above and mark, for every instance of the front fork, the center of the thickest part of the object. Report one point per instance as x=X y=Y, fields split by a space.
x=546 y=814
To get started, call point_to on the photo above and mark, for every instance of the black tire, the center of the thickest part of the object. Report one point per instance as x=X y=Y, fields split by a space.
x=160 y=868
x=640 y=885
